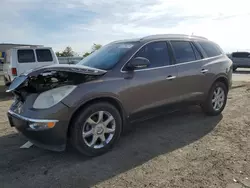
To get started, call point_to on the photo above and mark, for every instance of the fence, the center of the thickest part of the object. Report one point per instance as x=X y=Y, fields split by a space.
x=69 y=60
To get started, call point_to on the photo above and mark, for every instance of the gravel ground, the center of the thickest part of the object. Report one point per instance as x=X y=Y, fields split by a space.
x=184 y=149
x=241 y=75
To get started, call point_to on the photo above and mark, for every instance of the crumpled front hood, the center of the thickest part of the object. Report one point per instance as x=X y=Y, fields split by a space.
x=65 y=67
x=45 y=78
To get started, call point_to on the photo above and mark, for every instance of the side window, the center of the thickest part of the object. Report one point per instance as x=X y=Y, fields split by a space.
x=26 y=56
x=43 y=55
x=197 y=52
x=183 y=51
x=156 y=53
x=210 y=49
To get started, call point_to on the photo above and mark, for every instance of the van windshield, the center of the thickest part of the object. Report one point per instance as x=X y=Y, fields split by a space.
x=106 y=57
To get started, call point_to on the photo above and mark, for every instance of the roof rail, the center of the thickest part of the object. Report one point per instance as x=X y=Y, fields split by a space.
x=31 y=47
x=171 y=36
x=125 y=40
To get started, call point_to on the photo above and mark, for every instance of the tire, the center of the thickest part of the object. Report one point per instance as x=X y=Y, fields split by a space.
x=79 y=125
x=208 y=106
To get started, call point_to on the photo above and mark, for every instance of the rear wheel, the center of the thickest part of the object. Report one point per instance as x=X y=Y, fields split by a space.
x=216 y=100
x=96 y=129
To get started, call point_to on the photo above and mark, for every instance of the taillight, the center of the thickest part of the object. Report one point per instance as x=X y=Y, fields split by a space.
x=13 y=71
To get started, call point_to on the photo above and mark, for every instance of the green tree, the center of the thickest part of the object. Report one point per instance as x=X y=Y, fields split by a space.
x=86 y=54
x=58 y=54
x=68 y=52
x=96 y=47
x=93 y=49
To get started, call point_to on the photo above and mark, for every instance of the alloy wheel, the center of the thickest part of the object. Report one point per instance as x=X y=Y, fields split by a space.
x=99 y=129
x=218 y=98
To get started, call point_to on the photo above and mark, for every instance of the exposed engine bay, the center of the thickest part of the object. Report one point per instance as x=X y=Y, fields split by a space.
x=49 y=78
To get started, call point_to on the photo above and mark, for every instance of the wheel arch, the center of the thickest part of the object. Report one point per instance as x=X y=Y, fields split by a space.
x=223 y=79
x=113 y=101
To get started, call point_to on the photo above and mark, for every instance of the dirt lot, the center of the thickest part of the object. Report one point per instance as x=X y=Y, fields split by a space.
x=185 y=149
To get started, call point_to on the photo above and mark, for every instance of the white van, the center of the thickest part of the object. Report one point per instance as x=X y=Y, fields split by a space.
x=21 y=59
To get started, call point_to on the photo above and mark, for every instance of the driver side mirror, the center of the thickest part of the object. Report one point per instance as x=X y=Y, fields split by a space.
x=138 y=62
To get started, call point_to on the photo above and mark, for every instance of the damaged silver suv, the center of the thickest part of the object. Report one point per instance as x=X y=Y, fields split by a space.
x=92 y=102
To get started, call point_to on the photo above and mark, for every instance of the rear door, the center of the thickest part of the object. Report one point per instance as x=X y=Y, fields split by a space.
x=6 y=65
x=44 y=57
x=189 y=63
x=26 y=60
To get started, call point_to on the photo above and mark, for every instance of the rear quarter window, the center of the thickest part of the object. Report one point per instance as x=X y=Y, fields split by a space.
x=26 y=56
x=198 y=54
x=44 y=55
x=210 y=49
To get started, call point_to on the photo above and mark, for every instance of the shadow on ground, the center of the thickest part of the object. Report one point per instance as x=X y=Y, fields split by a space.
x=35 y=167
x=3 y=95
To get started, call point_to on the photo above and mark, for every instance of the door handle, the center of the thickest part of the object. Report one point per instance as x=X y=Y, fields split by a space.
x=204 y=70
x=171 y=77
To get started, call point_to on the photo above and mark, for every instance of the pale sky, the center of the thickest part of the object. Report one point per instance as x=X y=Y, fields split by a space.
x=80 y=23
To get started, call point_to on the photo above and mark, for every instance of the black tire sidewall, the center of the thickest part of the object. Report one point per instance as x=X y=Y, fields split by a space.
x=77 y=127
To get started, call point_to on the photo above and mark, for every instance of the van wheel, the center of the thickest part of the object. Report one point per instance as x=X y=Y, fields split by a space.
x=216 y=100
x=96 y=129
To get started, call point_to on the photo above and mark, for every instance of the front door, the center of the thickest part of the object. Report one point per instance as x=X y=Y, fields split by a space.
x=151 y=87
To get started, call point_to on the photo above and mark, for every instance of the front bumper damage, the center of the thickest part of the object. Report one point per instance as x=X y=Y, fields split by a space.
x=47 y=133
x=46 y=128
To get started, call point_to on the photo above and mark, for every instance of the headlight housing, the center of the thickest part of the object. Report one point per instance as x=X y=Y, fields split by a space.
x=51 y=97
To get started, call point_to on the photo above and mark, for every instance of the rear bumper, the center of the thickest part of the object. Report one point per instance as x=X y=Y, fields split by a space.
x=242 y=64
x=54 y=139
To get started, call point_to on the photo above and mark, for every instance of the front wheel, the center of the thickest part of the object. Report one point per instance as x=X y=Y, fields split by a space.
x=96 y=129
x=216 y=100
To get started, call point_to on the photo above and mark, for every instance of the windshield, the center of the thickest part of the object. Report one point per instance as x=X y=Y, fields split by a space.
x=106 y=57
